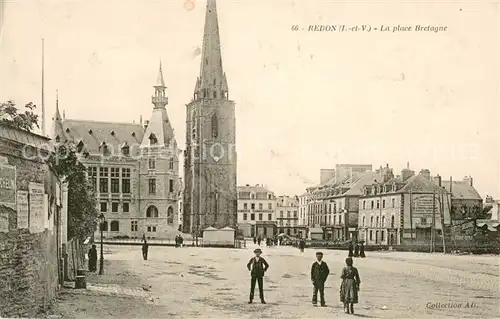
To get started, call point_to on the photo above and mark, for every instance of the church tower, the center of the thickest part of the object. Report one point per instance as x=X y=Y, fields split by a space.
x=210 y=156
x=159 y=167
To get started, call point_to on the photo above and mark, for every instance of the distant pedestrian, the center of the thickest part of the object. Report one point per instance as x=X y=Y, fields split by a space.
x=302 y=245
x=92 y=259
x=362 y=250
x=181 y=241
x=259 y=241
x=356 y=250
x=350 y=286
x=257 y=267
x=350 y=249
x=254 y=240
x=319 y=274
x=145 y=248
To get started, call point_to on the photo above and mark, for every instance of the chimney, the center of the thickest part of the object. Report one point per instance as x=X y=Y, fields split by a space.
x=406 y=173
x=140 y=120
x=146 y=123
x=425 y=173
x=437 y=180
x=451 y=184
x=468 y=180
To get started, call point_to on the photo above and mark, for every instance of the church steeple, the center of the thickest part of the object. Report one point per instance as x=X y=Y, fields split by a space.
x=160 y=99
x=57 y=127
x=211 y=83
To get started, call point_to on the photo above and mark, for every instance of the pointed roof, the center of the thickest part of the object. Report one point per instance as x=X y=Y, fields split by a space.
x=211 y=70
x=159 y=80
x=57 y=127
x=462 y=190
x=420 y=184
x=159 y=126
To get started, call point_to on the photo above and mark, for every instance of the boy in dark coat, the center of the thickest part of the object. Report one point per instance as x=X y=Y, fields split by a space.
x=319 y=274
x=145 y=247
x=257 y=267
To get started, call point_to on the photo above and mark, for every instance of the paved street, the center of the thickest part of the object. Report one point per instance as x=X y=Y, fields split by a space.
x=213 y=283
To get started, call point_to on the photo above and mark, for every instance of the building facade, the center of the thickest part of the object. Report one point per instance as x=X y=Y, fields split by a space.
x=210 y=196
x=403 y=209
x=303 y=209
x=465 y=200
x=256 y=211
x=287 y=217
x=134 y=169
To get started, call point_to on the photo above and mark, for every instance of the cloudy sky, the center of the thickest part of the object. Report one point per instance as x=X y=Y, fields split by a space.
x=305 y=100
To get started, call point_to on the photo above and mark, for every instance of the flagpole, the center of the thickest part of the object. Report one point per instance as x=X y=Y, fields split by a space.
x=43 y=87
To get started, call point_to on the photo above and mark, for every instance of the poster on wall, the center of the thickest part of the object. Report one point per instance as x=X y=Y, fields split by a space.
x=4 y=223
x=7 y=185
x=36 y=207
x=22 y=210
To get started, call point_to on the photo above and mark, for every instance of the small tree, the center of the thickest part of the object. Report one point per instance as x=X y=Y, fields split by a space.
x=26 y=121
x=82 y=202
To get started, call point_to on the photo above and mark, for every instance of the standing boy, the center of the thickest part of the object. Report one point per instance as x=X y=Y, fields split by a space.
x=145 y=247
x=319 y=273
x=257 y=267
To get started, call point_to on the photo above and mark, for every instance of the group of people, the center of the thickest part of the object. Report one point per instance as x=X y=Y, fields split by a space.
x=274 y=241
x=349 y=286
x=359 y=250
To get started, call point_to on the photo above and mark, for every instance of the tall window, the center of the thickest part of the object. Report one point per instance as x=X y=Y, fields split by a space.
x=269 y=216
x=115 y=180
x=364 y=204
x=252 y=206
x=92 y=171
x=270 y=206
x=244 y=216
x=364 y=220
x=171 y=163
x=133 y=225
x=215 y=126
x=383 y=221
x=170 y=215
x=152 y=186
x=372 y=205
x=377 y=224
x=260 y=206
x=252 y=216
x=393 y=202
x=245 y=206
x=371 y=221
x=152 y=163
x=171 y=186
x=104 y=207
x=125 y=180
x=378 y=204
x=114 y=207
x=152 y=212
x=103 y=179
x=260 y=216
x=392 y=221
x=126 y=207
x=383 y=203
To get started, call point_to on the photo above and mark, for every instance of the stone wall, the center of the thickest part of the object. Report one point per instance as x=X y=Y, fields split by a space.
x=28 y=261
x=75 y=259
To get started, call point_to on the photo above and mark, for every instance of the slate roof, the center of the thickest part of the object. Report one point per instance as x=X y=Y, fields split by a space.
x=357 y=187
x=419 y=184
x=93 y=133
x=256 y=189
x=462 y=190
x=159 y=125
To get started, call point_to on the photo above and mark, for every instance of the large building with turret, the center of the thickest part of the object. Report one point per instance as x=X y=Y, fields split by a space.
x=134 y=169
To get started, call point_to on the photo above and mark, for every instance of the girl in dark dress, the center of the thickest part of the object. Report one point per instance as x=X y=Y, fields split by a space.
x=356 y=250
x=350 y=286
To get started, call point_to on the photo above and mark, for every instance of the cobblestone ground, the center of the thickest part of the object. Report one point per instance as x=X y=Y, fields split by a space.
x=214 y=283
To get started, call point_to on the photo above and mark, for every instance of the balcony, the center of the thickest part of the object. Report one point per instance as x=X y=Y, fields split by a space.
x=159 y=100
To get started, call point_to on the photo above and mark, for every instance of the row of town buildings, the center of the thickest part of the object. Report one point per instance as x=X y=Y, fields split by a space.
x=357 y=202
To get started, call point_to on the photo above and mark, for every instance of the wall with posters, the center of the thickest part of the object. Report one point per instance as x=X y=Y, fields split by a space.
x=29 y=251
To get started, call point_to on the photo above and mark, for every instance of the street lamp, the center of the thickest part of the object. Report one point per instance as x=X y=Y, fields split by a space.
x=102 y=219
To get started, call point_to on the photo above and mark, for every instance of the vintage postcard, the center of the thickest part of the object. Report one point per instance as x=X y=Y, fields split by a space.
x=249 y=159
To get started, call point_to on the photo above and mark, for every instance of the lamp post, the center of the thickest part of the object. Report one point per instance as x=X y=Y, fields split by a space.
x=102 y=219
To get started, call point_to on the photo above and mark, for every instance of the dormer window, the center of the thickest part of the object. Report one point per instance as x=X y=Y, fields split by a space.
x=133 y=134
x=90 y=131
x=58 y=139
x=113 y=133
x=152 y=139
x=67 y=130
x=103 y=148
x=79 y=146
x=125 y=149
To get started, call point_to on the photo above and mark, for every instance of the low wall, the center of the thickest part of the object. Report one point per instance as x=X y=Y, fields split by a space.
x=28 y=272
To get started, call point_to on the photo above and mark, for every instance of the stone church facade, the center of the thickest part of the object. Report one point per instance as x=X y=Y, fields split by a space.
x=134 y=169
x=210 y=196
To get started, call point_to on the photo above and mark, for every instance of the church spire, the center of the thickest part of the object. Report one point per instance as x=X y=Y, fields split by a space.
x=57 y=127
x=212 y=81
x=160 y=99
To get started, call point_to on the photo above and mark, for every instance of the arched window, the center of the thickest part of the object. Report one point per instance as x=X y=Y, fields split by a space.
x=115 y=226
x=170 y=215
x=152 y=212
x=215 y=126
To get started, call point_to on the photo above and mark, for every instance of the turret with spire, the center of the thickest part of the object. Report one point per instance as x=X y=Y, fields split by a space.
x=212 y=82
x=57 y=127
x=160 y=99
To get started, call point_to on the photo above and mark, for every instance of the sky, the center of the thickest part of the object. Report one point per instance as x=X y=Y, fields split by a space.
x=304 y=100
